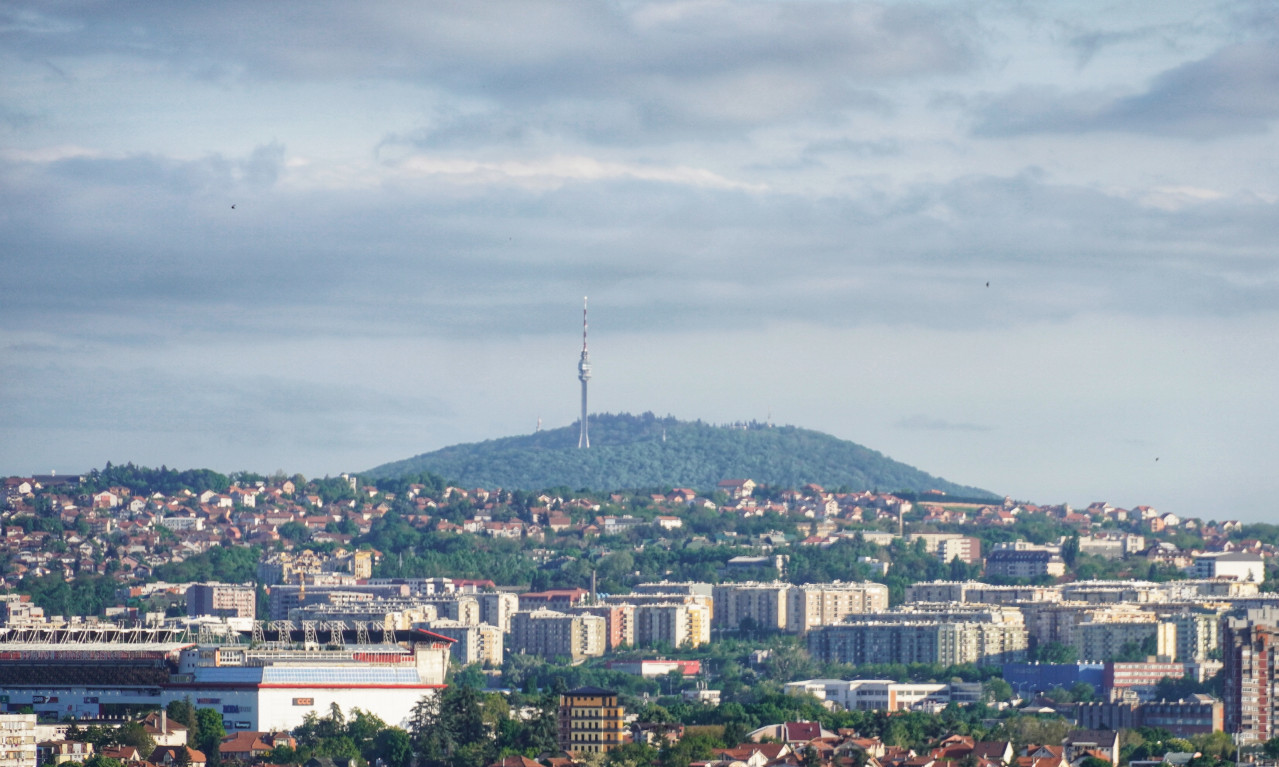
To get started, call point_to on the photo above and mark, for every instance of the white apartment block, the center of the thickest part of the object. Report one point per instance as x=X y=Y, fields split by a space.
x=764 y=604
x=826 y=604
x=475 y=644
x=18 y=740
x=497 y=607
x=676 y=624
x=1198 y=635
x=1102 y=640
x=552 y=634
x=976 y=592
x=873 y=694
x=1236 y=565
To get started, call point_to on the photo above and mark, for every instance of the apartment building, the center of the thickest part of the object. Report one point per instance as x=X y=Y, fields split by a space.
x=945 y=634
x=761 y=605
x=497 y=607
x=1248 y=641
x=590 y=721
x=225 y=600
x=826 y=604
x=980 y=593
x=677 y=624
x=619 y=622
x=18 y=740
x=555 y=634
x=1104 y=637
x=480 y=643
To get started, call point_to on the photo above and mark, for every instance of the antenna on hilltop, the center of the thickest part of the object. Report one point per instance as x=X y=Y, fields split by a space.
x=584 y=375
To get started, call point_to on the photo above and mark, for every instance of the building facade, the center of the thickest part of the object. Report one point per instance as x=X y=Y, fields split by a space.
x=759 y=605
x=225 y=600
x=1248 y=653
x=554 y=634
x=827 y=604
x=673 y=623
x=590 y=721
x=18 y=740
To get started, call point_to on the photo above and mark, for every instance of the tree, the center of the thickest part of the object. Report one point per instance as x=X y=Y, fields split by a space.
x=210 y=733
x=134 y=734
x=427 y=733
x=182 y=712
x=810 y=758
x=363 y=729
x=1056 y=652
x=394 y=747
x=997 y=689
x=1070 y=550
x=1271 y=748
x=470 y=675
x=631 y=755
x=734 y=733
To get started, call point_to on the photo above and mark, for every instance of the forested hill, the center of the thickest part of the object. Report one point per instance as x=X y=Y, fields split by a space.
x=631 y=452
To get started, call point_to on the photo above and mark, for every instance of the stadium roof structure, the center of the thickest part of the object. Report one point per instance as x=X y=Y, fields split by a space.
x=320 y=675
x=79 y=651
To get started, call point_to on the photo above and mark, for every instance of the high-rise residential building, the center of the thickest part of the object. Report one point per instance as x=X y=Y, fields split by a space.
x=1248 y=642
x=760 y=605
x=1025 y=563
x=945 y=634
x=550 y=634
x=619 y=622
x=474 y=643
x=826 y=604
x=497 y=607
x=978 y=592
x=227 y=600
x=1106 y=637
x=17 y=740
x=362 y=564
x=1198 y=634
x=678 y=624
x=591 y=721
x=948 y=546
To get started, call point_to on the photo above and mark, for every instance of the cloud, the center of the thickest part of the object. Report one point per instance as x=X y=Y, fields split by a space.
x=1233 y=91
x=613 y=72
x=144 y=250
x=556 y=171
x=928 y=423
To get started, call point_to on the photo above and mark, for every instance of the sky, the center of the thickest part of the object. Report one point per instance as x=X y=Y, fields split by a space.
x=1027 y=246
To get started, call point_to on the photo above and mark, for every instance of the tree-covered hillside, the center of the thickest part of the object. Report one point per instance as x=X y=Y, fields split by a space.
x=645 y=451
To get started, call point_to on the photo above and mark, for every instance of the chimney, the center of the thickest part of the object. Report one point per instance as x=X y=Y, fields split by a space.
x=164 y=722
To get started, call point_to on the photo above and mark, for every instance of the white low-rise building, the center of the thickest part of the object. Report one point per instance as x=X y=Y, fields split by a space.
x=873 y=694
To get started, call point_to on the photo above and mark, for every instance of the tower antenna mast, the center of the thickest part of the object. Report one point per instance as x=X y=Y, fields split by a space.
x=584 y=375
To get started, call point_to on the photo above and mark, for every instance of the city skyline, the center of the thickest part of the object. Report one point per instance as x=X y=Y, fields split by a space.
x=1028 y=248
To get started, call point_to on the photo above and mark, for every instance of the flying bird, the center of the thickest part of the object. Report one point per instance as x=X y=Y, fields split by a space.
x=233 y=208
x=987 y=284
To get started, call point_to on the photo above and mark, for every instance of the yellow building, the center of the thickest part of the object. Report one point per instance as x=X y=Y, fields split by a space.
x=590 y=721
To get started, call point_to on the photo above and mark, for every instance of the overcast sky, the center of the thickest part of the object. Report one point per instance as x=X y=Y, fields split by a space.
x=786 y=208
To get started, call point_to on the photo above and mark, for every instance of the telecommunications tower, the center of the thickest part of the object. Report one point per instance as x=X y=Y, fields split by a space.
x=584 y=375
